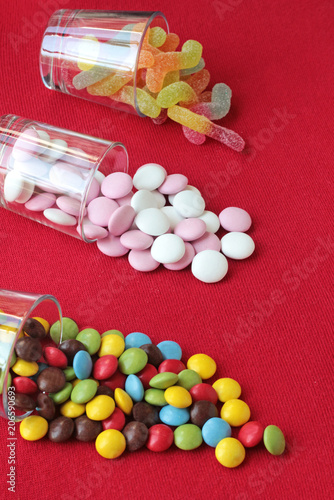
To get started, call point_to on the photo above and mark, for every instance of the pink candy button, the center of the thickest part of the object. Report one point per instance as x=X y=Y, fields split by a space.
x=142 y=260
x=136 y=240
x=235 y=219
x=111 y=246
x=190 y=229
x=173 y=184
x=116 y=185
x=41 y=202
x=100 y=210
x=208 y=241
x=121 y=220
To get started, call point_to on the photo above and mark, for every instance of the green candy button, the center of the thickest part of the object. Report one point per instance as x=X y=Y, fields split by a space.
x=69 y=373
x=155 y=397
x=113 y=332
x=163 y=380
x=70 y=330
x=132 y=361
x=61 y=396
x=189 y=378
x=274 y=440
x=84 y=391
x=91 y=339
x=188 y=437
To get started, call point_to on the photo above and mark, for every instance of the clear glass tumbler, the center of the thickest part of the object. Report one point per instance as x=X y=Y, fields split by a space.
x=93 y=54
x=15 y=309
x=50 y=174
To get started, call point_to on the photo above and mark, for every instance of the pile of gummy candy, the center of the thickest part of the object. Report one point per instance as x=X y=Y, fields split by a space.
x=127 y=393
x=168 y=84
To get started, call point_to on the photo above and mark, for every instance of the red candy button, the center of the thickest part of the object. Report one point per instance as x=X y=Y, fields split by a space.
x=251 y=434
x=24 y=385
x=115 y=421
x=160 y=437
x=204 y=392
x=116 y=380
x=171 y=365
x=55 y=357
x=105 y=367
x=145 y=375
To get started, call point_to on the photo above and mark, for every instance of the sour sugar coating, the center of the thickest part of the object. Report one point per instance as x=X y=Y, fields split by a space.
x=147 y=104
x=172 y=61
x=161 y=118
x=113 y=83
x=204 y=126
x=171 y=77
x=171 y=43
x=176 y=92
x=195 y=69
x=90 y=77
x=199 y=81
x=157 y=36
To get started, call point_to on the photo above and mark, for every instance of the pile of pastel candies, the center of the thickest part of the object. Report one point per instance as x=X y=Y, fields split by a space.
x=127 y=393
x=168 y=83
x=163 y=222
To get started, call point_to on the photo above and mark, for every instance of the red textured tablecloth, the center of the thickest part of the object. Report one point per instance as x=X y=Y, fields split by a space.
x=268 y=324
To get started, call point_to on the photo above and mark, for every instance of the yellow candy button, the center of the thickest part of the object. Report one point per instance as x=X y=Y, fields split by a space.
x=112 y=344
x=110 y=443
x=230 y=452
x=25 y=368
x=227 y=389
x=178 y=397
x=235 y=412
x=33 y=428
x=72 y=410
x=203 y=365
x=100 y=407
x=123 y=401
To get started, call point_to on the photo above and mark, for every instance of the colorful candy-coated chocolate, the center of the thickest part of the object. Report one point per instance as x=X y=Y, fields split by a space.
x=112 y=344
x=178 y=396
x=155 y=397
x=105 y=367
x=146 y=374
x=163 y=380
x=171 y=365
x=273 y=439
x=214 y=430
x=134 y=387
x=62 y=395
x=227 y=388
x=87 y=430
x=173 y=416
x=24 y=385
x=100 y=407
x=160 y=438
x=203 y=364
x=115 y=421
x=55 y=357
x=136 y=339
x=188 y=379
x=203 y=392
x=132 y=360
x=84 y=391
x=136 y=434
x=110 y=443
x=230 y=452
x=188 y=437
x=123 y=401
x=72 y=410
x=70 y=330
x=236 y=412
x=33 y=428
x=82 y=365
x=251 y=434
x=91 y=339
x=25 y=368
x=170 y=350
x=116 y=380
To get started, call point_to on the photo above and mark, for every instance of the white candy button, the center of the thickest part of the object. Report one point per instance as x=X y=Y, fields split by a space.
x=209 y=266
x=55 y=151
x=152 y=221
x=189 y=204
x=27 y=192
x=143 y=199
x=237 y=245
x=211 y=220
x=159 y=198
x=149 y=176
x=168 y=248
x=66 y=177
x=173 y=216
x=59 y=217
x=13 y=186
x=187 y=188
x=44 y=141
x=34 y=168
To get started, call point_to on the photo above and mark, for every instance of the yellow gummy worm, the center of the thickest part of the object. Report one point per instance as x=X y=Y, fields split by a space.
x=147 y=104
x=189 y=119
x=171 y=77
x=176 y=92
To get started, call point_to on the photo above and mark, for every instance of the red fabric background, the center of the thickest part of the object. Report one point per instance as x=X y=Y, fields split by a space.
x=278 y=59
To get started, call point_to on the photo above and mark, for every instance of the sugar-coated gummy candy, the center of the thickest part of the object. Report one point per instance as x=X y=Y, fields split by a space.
x=176 y=92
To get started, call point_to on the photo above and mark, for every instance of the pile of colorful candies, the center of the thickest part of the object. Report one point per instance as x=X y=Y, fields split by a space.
x=163 y=222
x=127 y=393
x=169 y=84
